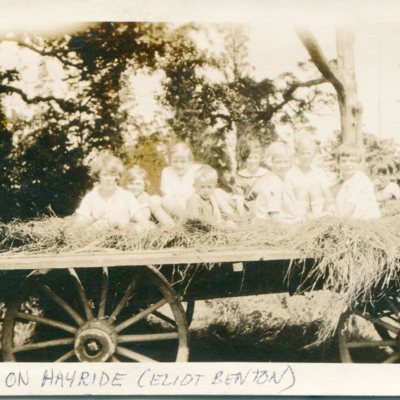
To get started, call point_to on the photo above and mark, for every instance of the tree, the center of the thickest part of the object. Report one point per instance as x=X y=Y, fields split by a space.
x=342 y=76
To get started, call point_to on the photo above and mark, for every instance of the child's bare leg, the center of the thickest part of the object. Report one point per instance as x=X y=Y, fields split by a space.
x=171 y=207
x=225 y=201
x=302 y=201
x=159 y=213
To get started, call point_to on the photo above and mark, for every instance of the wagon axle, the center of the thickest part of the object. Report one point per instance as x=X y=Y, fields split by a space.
x=95 y=341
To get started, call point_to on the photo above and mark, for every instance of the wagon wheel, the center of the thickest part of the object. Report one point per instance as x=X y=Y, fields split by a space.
x=371 y=333
x=95 y=315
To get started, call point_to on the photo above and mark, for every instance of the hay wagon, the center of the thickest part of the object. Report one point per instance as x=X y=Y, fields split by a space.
x=136 y=306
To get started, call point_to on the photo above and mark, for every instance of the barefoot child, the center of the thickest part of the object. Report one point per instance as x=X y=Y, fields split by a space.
x=356 y=196
x=107 y=204
x=137 y=181
x=177 y=180
x=311 y=185
x=276 y=200
x=205 y=205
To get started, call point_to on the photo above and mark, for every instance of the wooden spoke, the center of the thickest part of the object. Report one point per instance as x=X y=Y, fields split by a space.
x=377 y=321
x=141 y=315
x=393 y=307
x=133 y=355
x=47 y=321
x=42 y=345
x=66 y=356
x=372 y=343
x=82 y=294
x=393 y=358
x=63 y=304
x=128 y=293
x=103 y=293
x=115 y=359
x=149 y=337
x=164 y=318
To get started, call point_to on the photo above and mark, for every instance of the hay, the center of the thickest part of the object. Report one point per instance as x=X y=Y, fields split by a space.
x=356 y=259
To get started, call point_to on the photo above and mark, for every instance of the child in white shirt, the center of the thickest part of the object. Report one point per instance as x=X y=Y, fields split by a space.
x=137 y=181
x=356 y=196
x=311 y=185
x=177 y=180
x=276 y=199
x=107 y=204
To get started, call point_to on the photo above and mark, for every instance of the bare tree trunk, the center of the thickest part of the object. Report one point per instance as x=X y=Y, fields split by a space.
x=350 y=107
x=343 y=78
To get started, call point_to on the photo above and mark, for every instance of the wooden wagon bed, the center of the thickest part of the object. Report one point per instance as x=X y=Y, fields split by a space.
x=141 y=257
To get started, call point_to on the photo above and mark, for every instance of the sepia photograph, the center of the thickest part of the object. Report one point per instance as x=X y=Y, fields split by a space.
x=200 y=190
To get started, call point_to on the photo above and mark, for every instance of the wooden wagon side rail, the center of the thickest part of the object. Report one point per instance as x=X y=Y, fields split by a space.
x=142 y=257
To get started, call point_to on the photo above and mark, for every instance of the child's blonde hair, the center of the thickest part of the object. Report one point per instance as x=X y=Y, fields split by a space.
x=305 y=141
x=206 y=172
x=105 y=162
x=181 y=148
x=135 y=173
x=275 y=149
x=346 y=151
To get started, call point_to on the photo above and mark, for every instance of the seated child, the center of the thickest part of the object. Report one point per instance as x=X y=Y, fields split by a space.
x=205 y=205
x=137 y=181
x=245 y=188
x=385 y=187
x=356 y=196
x=311 y=185
x=177 y=180
x=107 y=204
x=276 y=199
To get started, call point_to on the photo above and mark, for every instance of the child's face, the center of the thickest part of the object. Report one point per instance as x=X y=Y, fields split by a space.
x=383 y=179
x=349 y=165
x=253 y=161
x=108 y=180
x=205 y=187
x=305 y=154
x=280 y=164
x=136 y=186
x=180 y=163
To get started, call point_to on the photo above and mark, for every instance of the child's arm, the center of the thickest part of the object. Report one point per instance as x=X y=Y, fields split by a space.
x=194 y=209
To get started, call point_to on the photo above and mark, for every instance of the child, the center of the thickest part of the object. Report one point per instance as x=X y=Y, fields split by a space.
x=177 y=180
x=137 y=181
x=205 y=205
x=356 y=195
x=310 y=184
x=276 y=198
x=107 y=204
x=386 y=188
x=245 y=188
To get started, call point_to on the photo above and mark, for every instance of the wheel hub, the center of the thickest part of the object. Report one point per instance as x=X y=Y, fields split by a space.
x=95 y=342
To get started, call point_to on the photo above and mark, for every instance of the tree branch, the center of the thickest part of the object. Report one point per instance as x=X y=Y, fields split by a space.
x=45 y=53
x=287 y=96
x=64 y=105
x=319 y=59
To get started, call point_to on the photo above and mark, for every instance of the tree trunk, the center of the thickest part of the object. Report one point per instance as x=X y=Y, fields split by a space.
x=343 y=78
x=350 y=107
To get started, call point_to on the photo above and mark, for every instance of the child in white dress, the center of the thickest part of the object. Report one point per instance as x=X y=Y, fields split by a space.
x=177 y=180
x=356 y=196
x=276 y=199
x=107 y=204
x=310 y=184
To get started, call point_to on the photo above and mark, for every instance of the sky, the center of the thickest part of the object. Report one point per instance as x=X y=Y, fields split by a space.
x=273 y=44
